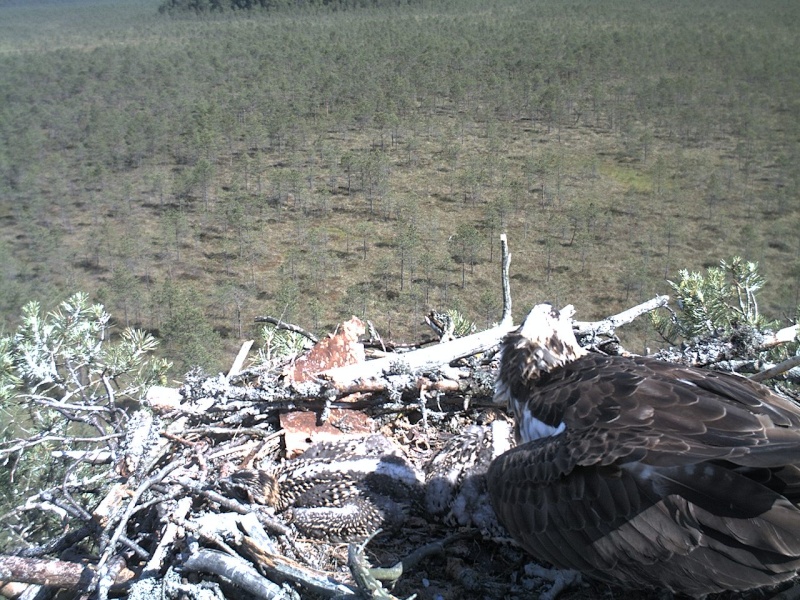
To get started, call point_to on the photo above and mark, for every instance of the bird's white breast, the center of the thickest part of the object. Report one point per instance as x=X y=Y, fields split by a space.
x=528 y=426
x=531 y=428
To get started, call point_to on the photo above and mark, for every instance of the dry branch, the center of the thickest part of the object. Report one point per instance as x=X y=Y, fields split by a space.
x=238 y=362
x=782 y=336
x=776 y=370
x=237 y=571
x=93 y=457
x=111 y=546
x=505 y=279
x=350 y=378
x=55 y=573
x=371 y=376
x=280 y=324
x=608 y=326
x=283 y=568
x=159 y=557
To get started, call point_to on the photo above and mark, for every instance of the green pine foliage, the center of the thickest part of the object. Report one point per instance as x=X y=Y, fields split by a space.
x=461 y=325
x=278 y=345
x=69 y=353
x=718 y=302
x=65 y=380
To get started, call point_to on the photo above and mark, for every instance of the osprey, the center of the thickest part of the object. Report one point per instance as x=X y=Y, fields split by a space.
x=340 y=490
x=644 y=473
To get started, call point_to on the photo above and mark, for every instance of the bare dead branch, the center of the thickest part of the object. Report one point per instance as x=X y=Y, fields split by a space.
x=778 y=369
x=507 y=318
x=284 y=568
x=782 y=336
x=237 y=571
x=232 y=505
x=280 y=324
x=110 y=547
x=159 y=556
x=107 y=575
x=609 y=325
x=238 y=362
x=55 y=573
x=92 y=457
x=444 y=331
x=346 y=379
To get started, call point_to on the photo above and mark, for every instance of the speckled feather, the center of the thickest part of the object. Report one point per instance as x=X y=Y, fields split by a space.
x=455 y=478
x=646 y=473
x=340 y=491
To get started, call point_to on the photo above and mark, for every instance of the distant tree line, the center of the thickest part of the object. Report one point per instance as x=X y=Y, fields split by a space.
x=203 y=6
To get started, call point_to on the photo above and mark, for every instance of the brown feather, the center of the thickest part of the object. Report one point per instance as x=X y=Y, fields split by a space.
x=646 y=473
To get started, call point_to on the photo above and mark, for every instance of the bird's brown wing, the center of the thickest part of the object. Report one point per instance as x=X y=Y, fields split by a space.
x=564 y=513
x=678 y=415
x=645 y=525
x=660 y=471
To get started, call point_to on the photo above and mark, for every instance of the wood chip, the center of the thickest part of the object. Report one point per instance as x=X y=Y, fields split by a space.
x=338 y=350
x=301 y=429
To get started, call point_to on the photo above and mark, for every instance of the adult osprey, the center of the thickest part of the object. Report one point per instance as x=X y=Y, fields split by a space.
x=645 y=473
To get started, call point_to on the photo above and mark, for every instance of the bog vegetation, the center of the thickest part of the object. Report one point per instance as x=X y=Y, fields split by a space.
x=203 y=6
x=191 y=171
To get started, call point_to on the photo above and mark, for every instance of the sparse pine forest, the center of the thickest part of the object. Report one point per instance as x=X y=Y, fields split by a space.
x=194 y=170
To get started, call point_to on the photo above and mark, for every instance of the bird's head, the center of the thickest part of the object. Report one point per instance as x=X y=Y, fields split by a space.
x=249 y=485
x=544 y=342
x=550 y=331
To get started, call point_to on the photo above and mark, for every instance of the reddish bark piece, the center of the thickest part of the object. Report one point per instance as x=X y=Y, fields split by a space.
x=301 y=429
x=338 y=350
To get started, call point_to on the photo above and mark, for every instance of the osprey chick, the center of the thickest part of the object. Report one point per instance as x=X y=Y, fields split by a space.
x=645 y=473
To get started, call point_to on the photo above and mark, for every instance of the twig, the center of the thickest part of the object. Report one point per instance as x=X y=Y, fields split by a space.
x=279 y=324
x=19 y=445
x=507 y=318
x=441 y=324
x=92 y=457
x=107 y=576
x=363 y=573
x=57 y=544
x=318 y=582
x=158 y=558
x=779 y=369
x=235 y=569
x=253 y=528
x=204 y=533
x=120 y=530
x=233 y=432
x=374 y=336
x=238 y=362
x=272 y=524
x=109 y=391
x=608 y=325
